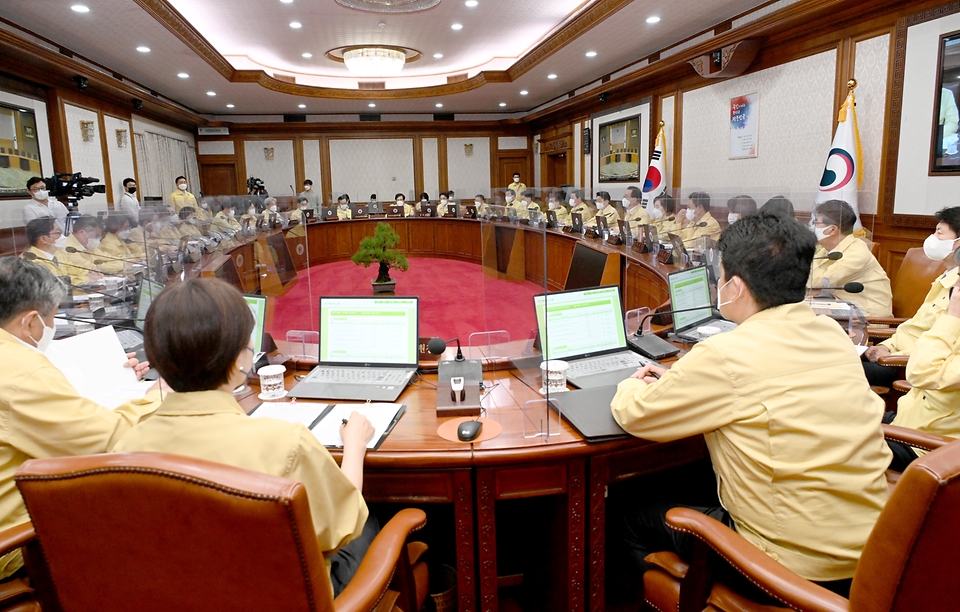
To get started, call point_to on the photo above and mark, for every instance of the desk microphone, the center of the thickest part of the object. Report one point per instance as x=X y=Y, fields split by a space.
x=95 y=291
x=851 y=287
x=701 y=224
x=833 y=256
x=653 y=346
x=437 y=346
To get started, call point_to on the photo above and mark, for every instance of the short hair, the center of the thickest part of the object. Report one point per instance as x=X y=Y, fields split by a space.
x=373 y=197
x=266 y=202
x=177 y=180
x=187 y=210
x=33 y=180
x=147 y=213
x=604 y=195
x=400 y=195
x=701 y=198
x=516 y=174
x=128 y=180
x=301 y=199
x=346 y=197
x=839 y=213
x=27 y=286
x=481 y=196
x=634 y=192
x=38 y=228
x=307 y=182
x=86 y=222
x=668 y=202
x=510 y=192
x=194 y=332
x=529 y=193
x=114 y=222
x=423 y=196
x=772 y=254
x=577 y=193
x=742 y=205
x=950 y=216
x=229 y=204
x=779 y=205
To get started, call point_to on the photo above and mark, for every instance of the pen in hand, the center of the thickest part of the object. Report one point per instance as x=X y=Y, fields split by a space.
x=343 y=421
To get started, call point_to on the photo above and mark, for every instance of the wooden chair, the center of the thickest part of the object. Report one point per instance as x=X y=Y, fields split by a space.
x=152 y=532
x=910 y=286
x=907 y=564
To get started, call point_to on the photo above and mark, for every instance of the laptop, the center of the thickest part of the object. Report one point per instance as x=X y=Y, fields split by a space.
x=602 y=223
x=453 y=210
x=368 y=349
x=330 y=214
x=258 y=306
x=499 y=210
x=470 y=211
x=427 y=210
x=394 y=211
x=585 y=328
x=690 y=288
x=376 y=208
x=359 y=211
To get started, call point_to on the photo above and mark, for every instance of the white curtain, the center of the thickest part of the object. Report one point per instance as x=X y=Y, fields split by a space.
x=160 y=160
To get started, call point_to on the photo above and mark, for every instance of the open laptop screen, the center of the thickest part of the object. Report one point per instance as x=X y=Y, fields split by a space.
x=369 y=330
x=149 y=290
x=579 y=323
x=690 y=289
x=258 y=306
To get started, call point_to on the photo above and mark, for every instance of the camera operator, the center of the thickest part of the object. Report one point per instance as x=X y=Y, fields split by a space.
x=42 y=205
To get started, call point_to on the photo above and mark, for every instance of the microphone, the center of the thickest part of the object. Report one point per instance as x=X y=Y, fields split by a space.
x=105 y=258
x=851 y=287
x=437 y=346
x=832 y=256
x=112 y=296
x=653 y=346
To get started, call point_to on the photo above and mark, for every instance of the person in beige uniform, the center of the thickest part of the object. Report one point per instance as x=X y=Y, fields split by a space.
x=41 y=414
x=181 y=197
x=577 y=205
x=225 y=220
x=698 y=221
x=343 y=208
x=203 y=361
x=554 y=204
x=511 y=201
x=833 y=225
x=44 y=235
x=635 y=214
x=801 y=478
x=664 y=215
x=84 y=239
x=605 y=209
x=169 y=222
x=113 y=246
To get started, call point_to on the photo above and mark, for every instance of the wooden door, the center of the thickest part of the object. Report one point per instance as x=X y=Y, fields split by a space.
x=556 y=167
x=218 y=178
x=509 y=165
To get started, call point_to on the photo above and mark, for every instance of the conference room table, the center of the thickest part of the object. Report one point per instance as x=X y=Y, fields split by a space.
x=482 y=481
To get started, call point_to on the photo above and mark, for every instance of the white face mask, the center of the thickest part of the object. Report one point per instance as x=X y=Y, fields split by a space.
x=937 y=249
x=399 y=202
x=182 y=186
x=656 y=213
x=443 y=200
x=93 y=243
x=509 y=198
x=45 y=338
x=231 y=214
x=477 y=203
x=252 y=211
x=572 y=202
x=599 y=205
x=205 y=206
x=41 y=195
x=552 y=205
x=123 y=234
x=174 y=221
x=192 y=221
x=61 y=242
x=691 y=214
x=721 y=304
x=344 y=206
x=733 y=218
x=821 y=233
x=303 y=207
x=273 y=208
x=307 y=187
x=625 y=202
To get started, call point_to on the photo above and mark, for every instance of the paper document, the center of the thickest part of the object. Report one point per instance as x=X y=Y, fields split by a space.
x=861 y=349
x=381 y=416
x=94 y=363
x=298 y=412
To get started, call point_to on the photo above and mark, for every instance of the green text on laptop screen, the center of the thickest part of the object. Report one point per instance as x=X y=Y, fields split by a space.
x=368 y=330
x=258 y=306
x=578 y=322
x=690 y=289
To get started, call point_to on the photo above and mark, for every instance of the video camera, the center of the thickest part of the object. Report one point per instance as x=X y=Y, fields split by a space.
x=73 y=187
x=255 y=185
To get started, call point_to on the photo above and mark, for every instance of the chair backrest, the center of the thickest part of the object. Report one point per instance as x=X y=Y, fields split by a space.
x=912 y=282
x=158 y=532
x=910 y=560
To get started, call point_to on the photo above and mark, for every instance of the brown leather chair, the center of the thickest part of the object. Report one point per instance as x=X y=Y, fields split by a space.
x=910 y=286
x=158 y=532
x=908 y=563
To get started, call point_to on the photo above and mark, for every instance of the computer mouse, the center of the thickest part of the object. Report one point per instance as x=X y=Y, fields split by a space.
x=469 y=430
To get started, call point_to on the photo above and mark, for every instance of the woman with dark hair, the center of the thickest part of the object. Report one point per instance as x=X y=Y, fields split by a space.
x=203 y=360
x=739 y=207
x=779 y=205
x=664 y=214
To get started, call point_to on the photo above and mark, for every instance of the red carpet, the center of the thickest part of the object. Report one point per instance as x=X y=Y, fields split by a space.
x=456 y=298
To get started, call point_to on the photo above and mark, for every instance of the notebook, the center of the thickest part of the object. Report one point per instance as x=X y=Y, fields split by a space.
x=585 y=328
x=368 y=349
x=588 y=410
x=690 y=288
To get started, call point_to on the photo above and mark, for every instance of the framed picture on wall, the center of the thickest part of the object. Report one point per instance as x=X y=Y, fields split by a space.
x=19 y=150
x=619 y=150
x=743 y=126
x=945 y=141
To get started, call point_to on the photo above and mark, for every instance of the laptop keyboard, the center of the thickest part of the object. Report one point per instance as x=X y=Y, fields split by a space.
x=607 y=363
x=129 y=338
x=360 y=376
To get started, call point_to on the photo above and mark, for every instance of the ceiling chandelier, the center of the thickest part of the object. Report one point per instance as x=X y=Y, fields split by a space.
x=389 y=6
x=374 y=61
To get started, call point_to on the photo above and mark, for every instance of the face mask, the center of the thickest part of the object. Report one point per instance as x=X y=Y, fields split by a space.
x=399 y=202
x=732 y=218
x=231 y=214
x=477 y=203
x=625 y=202
x=41 y=195
x=552 y=205
x=273 y=208
x=937 y=249
x=131 y=190
x=182 y=186
x=572 y=202
x=93 y=243
x=123 y=235
x=252 y=211
x=307 y=187
x=174 y=221
x=721 y=304
x=205 y=206
x=303 y=207
x=61 y=242
x=691 y=214
x=821 y=233
x=344 y=206
x=443 y=200
x=599 y=205
x=509 y=198
x=656 y=213
x=45 y=338
x=192 y=221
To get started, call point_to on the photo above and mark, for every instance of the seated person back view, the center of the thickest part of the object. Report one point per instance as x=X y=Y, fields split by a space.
x=203 y=361
x=791 y=425
x=833 y=225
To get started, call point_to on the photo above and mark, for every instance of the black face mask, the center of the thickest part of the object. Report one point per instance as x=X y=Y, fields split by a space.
x=131 y=190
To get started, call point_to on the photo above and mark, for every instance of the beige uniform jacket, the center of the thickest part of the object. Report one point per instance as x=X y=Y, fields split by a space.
x=610 y=213
x=934 y=305
x=668 y=224
x=211 y=425
x=41 y=415
x=563 y=215
x=170 y=235
x=857 y=265
x=518 y=189
x=519 y=209
x=637 y=216
x=223 y=223
x=587 y=210
x=69 y=262
x=204 y=214
x=793 y=432
x=179 y=199
x=113 y=249
x=934 y=371
x=711 y=229
x=344 y=213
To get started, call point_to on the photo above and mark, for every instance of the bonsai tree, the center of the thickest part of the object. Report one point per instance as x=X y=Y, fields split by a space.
x=379 y=248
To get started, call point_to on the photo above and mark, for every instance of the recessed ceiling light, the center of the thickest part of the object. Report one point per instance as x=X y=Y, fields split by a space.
x=307 y=55
x=229 y=105
x=183 y=75
x=457 y=26
x=296 y=25
x=79 y=8
x=372 y=105
x=524 y=92
x=438 y=56
x=551 y=76
x=301 y=106
x=143 y=49
x=503 y=104
x=439 y=105
x=211 y=93
x=591 y=54
x=471 y=3
x=286 y=1
x=653 y=19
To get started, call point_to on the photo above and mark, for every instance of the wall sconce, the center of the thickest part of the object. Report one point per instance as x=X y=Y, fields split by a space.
x=268 y=153
x=86 y=130
x=122 y=138
x=468 y=150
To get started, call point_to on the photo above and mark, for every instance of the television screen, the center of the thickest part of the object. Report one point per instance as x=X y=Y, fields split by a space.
x=945 y=156
x=19 y=149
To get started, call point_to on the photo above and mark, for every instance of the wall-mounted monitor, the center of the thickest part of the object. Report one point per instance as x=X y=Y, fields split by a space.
x=945 y=139
x=19 y=150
